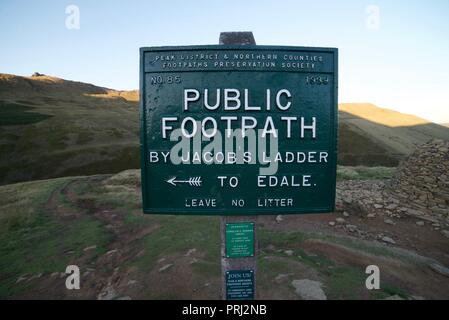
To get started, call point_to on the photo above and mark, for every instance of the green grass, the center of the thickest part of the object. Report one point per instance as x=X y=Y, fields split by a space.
x=110 y=195
x=177 y=234
x=341 y=281
x=387 y=290
x=116 y=133
x=21 y=204
x=13 y=114
x=270 y=268
x=315 y=260
x=171 y=234
x=355 y=147
x=207 y=269
x=364 y=173
x=34 y=241
x=293 y=239
x=280 y=239
x=344 y=283
x=82 y=135
x=114 y=159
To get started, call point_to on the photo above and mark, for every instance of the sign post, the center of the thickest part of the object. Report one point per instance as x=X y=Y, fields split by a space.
x=245 y=263
x=238 y=130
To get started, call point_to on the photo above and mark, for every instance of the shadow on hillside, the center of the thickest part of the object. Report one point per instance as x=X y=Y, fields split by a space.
x=365 y=142
x=12 y=114
x=49 y=133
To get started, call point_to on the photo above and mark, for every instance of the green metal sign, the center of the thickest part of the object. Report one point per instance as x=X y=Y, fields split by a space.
x=239 y=240
x=238 y=130
x=240 y=285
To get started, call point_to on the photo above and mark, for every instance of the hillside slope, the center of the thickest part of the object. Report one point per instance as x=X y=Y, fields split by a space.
x=388 y=134
x=50 y=127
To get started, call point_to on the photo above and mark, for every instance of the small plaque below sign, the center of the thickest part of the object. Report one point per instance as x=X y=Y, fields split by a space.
x=239 y=240
x=240 y=285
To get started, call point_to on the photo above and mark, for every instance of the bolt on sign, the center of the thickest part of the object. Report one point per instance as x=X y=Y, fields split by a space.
x=238 y=130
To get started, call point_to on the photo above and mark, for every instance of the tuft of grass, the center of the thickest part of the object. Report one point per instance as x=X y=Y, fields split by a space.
x=340 y=281
x=280 y=239
x=314 y=261
x=208 y=269
x=269 y=268
x=292 y=239
x=345 y=283
x=116 y=133
x=386 y=290
x=177 y=234
x=113 y=193
x=21 y=203
x=129 y=178
x=364 y=173
x=84 y=137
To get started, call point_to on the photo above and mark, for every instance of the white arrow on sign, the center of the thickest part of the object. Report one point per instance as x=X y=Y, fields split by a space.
x=194 y=181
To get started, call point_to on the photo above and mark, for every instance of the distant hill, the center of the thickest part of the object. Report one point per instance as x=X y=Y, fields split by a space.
x=370 y=135
x=51 y=127
x=41 y=86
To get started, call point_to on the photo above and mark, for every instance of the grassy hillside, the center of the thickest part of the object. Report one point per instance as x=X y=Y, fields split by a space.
x=381 y=136
x=96 y=223
x=50 y=127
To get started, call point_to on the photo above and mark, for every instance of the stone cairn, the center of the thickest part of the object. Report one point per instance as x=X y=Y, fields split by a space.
x=37 y=74
x=423 y=179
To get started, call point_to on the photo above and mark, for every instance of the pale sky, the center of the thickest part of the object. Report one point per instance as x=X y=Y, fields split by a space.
x=394 y=54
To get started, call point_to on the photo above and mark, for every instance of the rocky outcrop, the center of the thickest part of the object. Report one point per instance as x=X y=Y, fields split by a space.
x=423 y=179
x=419 y=188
